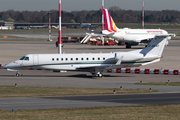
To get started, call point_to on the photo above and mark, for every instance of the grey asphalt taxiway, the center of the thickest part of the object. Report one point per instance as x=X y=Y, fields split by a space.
x=10 y=51
x=89 y=101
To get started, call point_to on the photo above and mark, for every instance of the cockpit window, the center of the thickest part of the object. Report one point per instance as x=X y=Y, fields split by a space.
x=26 y=58
x=22 y=58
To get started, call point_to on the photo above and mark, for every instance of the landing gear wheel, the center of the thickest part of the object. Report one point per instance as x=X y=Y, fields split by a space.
x=18 y=75
x=100 y=75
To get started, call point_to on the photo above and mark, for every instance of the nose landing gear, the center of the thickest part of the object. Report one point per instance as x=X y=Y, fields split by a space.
x=18 y=74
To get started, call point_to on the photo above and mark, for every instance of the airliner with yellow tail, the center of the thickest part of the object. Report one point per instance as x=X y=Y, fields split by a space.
x=129 y=36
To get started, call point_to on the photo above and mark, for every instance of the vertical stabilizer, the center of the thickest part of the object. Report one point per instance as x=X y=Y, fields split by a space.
x=156 y=46
x=109 y=22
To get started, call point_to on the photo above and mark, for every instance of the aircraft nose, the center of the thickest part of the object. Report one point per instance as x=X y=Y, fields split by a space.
x=14 y=64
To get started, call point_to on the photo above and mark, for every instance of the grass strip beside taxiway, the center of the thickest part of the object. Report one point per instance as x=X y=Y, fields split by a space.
x=30 y=91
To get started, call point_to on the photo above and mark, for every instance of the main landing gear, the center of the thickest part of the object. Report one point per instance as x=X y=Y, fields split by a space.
x=99 y=74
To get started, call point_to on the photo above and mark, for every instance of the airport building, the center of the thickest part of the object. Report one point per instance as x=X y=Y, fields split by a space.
x=6 y=25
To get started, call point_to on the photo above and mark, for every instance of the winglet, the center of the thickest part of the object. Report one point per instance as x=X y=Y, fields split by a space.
x=109 y=22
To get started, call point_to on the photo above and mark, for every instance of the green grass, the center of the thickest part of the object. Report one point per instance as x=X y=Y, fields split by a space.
x=68 y=30
x=28 y=31
x=160 y=112
x=160 y=83
x=28 y=91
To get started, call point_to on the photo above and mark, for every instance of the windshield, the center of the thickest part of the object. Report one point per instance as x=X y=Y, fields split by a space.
x=22 y=58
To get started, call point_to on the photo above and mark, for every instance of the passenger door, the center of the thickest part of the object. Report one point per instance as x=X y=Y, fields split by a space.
x=36 y=59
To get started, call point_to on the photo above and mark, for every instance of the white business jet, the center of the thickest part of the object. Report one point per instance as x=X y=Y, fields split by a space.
x=94 y=63
x=129 y=36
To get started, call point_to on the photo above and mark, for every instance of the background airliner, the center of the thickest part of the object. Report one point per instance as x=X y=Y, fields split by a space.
x=129 y=36
x=94 y=63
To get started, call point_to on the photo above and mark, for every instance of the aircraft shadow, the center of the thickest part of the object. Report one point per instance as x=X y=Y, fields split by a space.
x=61 y=76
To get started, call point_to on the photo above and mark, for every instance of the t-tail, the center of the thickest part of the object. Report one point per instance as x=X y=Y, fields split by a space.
x=151 y=54
x=156 y=46
x=109 y=22
x=153 y=51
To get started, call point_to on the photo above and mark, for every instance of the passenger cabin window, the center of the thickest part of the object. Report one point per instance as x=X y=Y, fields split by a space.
x=103 y=58
x=76 y=58
x=87 y=58
x=92 y=58
x=57 y=59
x=81 y=58
x=98 y=58
x=71 y=58
x=66 y=59
x=61 y=59
x=52 y=59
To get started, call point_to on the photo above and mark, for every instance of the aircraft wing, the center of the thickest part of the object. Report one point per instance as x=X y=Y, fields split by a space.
x=148 y=38
x=95 y=66
x=104 y=32
x=111 y=63
x=97 y=33
x=166 y=35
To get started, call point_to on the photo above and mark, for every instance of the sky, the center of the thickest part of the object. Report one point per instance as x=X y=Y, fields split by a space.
x=74 y=5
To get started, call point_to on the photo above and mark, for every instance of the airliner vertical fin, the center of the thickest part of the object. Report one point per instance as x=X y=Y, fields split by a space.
x=109 y=22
